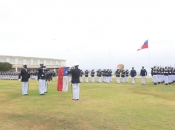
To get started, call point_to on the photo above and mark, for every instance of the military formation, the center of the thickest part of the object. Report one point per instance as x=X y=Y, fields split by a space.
x=9 y=75
x=106 y=75
x=164 y=75
x=160 y=75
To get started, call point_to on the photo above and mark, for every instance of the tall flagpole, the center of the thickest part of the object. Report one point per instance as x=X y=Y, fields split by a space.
x=149 y=55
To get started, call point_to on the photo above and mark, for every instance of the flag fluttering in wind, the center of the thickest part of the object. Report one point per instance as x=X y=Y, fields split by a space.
x=144 y=46
x=63 y=79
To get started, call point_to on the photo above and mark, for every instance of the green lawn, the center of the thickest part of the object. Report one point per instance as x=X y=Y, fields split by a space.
x=101 y=107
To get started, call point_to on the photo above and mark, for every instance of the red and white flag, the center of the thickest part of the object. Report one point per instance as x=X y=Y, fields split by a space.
x=144 y=46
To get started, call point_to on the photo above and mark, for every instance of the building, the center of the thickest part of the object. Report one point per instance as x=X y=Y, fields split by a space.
x=32 y=62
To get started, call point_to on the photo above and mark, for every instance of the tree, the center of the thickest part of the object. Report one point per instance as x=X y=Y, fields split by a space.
x=5 y=66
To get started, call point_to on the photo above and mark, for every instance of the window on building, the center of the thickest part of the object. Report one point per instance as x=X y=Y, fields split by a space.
x=28 y=61
x=48 y=62
x=35 y=62
x=59 y=62
x=41 y=61
x=20 y=61
x=2 y=59
x=12 y=60
x=53 y=62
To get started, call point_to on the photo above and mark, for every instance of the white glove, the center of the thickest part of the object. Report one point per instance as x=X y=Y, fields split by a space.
x=20 y=80
x=29 y=78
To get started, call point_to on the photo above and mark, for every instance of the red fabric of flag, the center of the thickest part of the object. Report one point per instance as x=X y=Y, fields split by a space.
x=60 y=79
x=144 y=46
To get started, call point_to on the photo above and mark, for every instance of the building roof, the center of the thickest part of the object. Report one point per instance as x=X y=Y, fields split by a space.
x=31 y=57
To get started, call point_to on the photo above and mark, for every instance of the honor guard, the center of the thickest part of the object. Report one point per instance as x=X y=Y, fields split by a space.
x=127 y=75
x=133 y=74
x=123 y=73
x=143 y=73
x=104 y=75
x=107 y=76
x=169 y=75
x=99 y=73
x=92 y=76
x=117 y=73
x=158 y=75
x=166 y=72
x=86 y=75
x=110 y=74
x=24 y=77
x=76 y=82
x=155 y=75
x=81 y=76
x=41 y=79
x=161 y=75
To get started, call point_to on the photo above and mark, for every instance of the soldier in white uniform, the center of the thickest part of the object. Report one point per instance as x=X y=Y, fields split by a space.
x=127 y=75
x=92 y=76
x=154 y=75
x=123 y=73
x=24 y=77
x=81 y=76
x=143 y=73
x=117 y=73
x=86 y=75
x=41 y=79
x=133 y=74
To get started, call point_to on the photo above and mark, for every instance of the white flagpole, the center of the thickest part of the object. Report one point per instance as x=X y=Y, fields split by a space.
x=149 y=56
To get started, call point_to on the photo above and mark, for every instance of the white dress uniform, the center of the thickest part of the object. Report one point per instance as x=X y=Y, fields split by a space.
x=143 y=73
x=42 y=80
x=24 y=77
x=86 y=75
x=76 y=82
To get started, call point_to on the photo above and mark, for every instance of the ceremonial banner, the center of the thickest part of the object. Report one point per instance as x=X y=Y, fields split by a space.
x=144 y=46
x=63 y=79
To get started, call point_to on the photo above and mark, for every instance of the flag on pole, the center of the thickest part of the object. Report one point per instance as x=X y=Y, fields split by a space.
x=63 y=79
x=144 y=46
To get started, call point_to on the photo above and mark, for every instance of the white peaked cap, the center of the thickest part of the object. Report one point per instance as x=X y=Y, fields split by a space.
x=76 y=64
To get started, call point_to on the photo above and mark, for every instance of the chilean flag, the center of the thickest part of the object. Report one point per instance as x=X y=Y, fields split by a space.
x=63 y=79
x=144 y=46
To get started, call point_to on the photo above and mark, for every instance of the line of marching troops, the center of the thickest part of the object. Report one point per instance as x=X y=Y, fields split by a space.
x=163 y=75
x=106 y=75
x=9 y=75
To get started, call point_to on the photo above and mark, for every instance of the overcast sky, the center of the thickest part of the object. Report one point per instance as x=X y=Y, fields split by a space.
x=94 y=33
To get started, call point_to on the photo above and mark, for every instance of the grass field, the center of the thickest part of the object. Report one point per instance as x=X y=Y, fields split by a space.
x=101 y=107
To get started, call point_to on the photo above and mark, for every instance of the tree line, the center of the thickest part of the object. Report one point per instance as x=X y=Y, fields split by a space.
x=5 y=66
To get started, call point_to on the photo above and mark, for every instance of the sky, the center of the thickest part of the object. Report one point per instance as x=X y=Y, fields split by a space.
x=97 y=34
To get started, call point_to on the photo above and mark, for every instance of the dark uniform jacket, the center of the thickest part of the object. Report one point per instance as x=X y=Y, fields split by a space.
x=86 y=73
x=155 y=71
x=81 y=73
x=41 y=73
x=25 y=75
x=92 y=73
x=117 y=73
x=133 y=73
x=99 y=73
x=127 y=73
x=143 y=72
x=123 y=74
x=75 y=75
x=166 y=72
